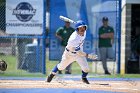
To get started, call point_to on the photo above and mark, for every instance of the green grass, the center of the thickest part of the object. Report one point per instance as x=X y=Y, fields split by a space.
x=118 y=76
x=12 y=70
x=122 y=76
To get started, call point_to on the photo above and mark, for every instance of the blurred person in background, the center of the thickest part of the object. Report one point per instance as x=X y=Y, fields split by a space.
x=106 y=36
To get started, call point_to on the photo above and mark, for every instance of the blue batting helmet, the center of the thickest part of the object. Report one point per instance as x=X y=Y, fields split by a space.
x=80 y=23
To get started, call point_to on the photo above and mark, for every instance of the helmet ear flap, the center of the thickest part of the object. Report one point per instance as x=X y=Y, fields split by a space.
x=77 y=29
x=85 y=27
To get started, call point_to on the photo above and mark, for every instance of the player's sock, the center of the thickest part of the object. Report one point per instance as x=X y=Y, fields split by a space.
x=55 y=69
x=84 y=74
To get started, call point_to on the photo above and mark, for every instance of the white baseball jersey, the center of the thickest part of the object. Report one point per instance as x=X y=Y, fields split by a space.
x=75 y=40
x=69 y=56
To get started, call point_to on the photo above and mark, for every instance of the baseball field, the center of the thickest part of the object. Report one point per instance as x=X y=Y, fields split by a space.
x=14 y=80
x=73 y=84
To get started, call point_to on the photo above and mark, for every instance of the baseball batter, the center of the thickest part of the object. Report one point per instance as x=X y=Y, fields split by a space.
x=74 y=52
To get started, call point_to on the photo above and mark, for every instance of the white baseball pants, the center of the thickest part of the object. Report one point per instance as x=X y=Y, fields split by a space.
x=68 y=58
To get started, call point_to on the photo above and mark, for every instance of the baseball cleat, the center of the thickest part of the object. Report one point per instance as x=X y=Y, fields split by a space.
x=85 y=80
x=50 y=77
x=106 y=72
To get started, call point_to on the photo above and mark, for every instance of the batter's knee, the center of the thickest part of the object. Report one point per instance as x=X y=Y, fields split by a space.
x=85 y=70
x=60 y=67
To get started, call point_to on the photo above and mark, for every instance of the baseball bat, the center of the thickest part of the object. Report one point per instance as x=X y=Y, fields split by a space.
x=66 y=19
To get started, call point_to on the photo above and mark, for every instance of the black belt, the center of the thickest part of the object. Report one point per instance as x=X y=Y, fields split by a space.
x=70 y=51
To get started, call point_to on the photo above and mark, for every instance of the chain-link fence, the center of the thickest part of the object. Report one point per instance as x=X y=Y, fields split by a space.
x=24 y=54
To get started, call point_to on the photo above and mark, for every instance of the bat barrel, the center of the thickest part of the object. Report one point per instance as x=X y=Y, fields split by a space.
x=66 y=19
